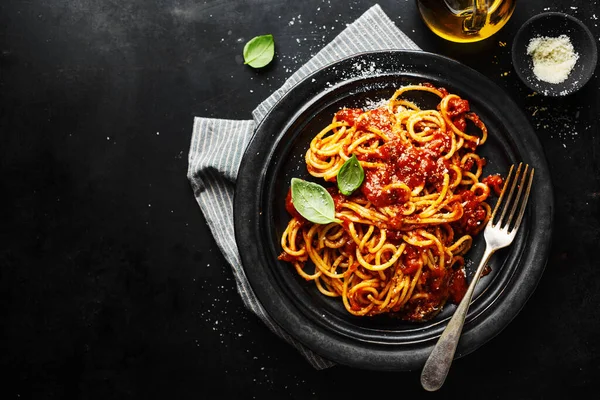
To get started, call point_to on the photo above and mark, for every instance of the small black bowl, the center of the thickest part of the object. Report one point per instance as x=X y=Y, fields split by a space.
x=554 y=24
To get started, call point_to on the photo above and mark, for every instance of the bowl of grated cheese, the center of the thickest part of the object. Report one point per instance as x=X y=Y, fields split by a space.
x=554 y=54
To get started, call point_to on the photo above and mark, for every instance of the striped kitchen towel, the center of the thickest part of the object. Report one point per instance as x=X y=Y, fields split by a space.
x=217 y=147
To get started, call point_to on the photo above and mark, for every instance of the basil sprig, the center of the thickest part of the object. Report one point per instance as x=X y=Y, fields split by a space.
x=313 y=202
x=259 y=51
x=350 y=176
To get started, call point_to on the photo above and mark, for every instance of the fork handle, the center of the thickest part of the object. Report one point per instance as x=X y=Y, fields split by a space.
x=438 y=364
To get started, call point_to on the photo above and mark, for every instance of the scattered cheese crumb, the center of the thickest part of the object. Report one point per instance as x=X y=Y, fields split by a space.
x=553 y=57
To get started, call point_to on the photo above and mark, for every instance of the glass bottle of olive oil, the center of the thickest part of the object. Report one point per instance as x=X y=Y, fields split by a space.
x=465 y=20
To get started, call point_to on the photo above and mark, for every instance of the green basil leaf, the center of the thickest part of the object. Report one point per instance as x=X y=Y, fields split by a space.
x=259 y=51
x=350 y=176
x=313 y=202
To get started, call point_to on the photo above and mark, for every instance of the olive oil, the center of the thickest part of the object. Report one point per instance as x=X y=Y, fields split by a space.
x=465 y=20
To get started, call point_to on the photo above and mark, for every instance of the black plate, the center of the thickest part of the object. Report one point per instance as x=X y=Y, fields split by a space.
x=276 y=154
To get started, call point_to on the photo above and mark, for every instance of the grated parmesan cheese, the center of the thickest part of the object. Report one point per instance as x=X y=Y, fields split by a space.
x=553 y=57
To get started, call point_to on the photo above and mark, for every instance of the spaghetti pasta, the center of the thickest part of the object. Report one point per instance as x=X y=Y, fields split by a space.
x=400 y=246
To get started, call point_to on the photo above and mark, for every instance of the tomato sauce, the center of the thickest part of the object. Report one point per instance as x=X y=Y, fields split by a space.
x=457 y=107
x=412 y=259
x=457 y=286
x=495 y=182
x=439 y=144
x=403 y=164
x=379 y=118
x=337 y=196
x=471 y=223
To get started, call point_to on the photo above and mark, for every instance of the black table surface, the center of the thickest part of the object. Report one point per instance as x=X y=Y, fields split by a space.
x=111 y=283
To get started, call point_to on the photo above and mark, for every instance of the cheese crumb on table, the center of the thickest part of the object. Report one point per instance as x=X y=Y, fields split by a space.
x=553 y=57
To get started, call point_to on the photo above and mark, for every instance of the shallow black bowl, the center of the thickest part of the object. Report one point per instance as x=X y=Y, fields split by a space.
x=276 y=154
x=554 y=24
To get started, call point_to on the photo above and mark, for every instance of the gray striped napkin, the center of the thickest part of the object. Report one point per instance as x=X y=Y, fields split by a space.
x=218 y=145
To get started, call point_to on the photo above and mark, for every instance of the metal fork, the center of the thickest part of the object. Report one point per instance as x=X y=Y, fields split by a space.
x=497 y=234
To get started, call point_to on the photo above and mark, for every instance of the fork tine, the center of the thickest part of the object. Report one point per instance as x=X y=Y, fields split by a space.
x=509 y=198
x=521 y=185
x=524 y=201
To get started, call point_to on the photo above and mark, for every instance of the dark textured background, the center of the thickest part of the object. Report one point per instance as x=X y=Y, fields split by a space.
x=111 y=284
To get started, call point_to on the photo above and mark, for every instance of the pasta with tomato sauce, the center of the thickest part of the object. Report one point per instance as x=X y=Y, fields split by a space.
x=400 y=246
